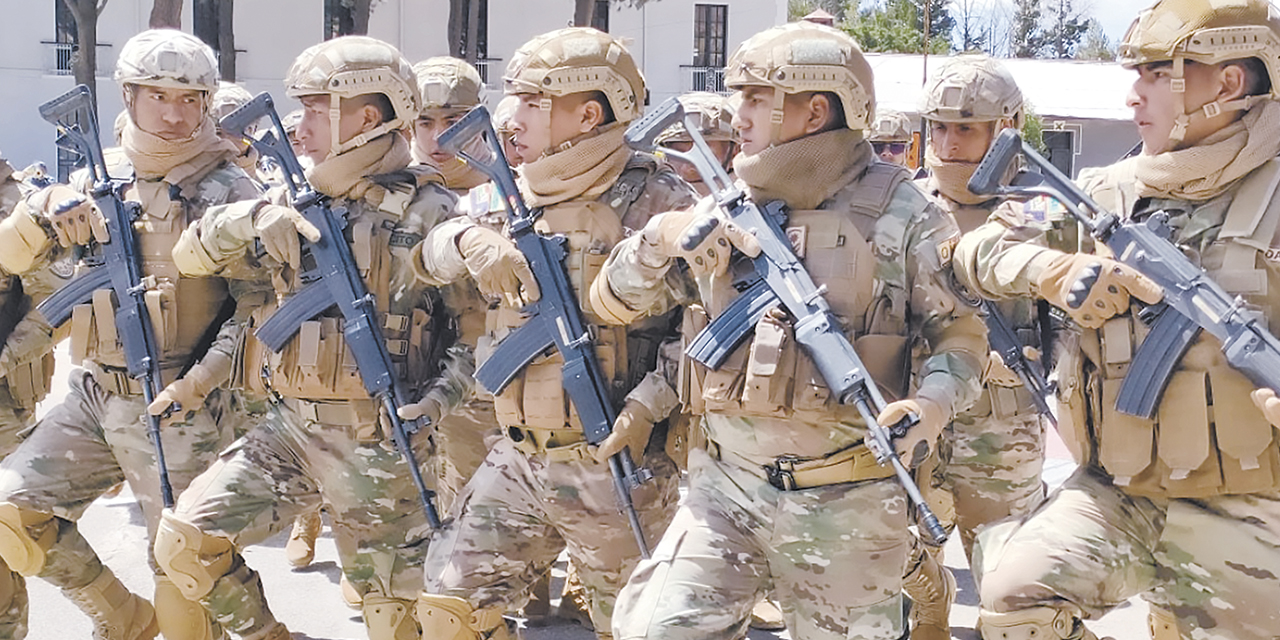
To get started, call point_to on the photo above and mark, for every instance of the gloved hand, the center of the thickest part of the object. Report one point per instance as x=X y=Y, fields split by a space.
x=705 y=241
x=997 y=373
x=278 y=228
x=425 y=408
x=74 y=217
x=497 y=266
x=631 y=429
x=915 y=445
x=1268 y=404
x=1092 y=289
x=178 y=401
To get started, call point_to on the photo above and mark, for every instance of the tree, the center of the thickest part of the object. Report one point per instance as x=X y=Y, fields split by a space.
x=1066 y=29
x=898 y=26
x=584 y=11
x=348 y=17
x=1096 y=44
x=464 y=29
x=213 y=22
x=1028 y=37
x=166 y=14
x=797 y=9
x=973 y=36
x=84 y=62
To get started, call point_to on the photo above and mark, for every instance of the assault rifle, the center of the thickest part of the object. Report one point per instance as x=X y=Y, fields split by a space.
x=334 y=281
x=1192 y=300
x=555 y=320
x=117 y=267
x=781 y=280
x=1005 y=342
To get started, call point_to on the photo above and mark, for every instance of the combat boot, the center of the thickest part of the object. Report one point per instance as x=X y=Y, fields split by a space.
x=301 y=548
x=932 y=589
x=767 y=616
x=1162 y=624
x=117 y=613
x=350 y=596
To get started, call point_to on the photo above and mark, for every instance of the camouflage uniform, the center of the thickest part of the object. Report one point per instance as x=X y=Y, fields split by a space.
x=826 y=529
x=97 y=436
x=322 y=441
x=539 y=490
x=1183 y=509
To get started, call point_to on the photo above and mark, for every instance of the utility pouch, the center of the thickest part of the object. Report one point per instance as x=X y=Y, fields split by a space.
x=1125 y=442
x=769 y=368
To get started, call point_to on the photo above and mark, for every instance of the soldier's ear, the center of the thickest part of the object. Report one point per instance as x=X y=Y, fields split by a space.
x=1233 y=81
x=818 y=113
x=591 y=114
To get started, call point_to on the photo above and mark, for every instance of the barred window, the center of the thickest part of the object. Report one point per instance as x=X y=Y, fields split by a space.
x=710 y=33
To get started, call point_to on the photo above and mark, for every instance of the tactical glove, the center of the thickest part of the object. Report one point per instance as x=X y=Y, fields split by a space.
x=631 y=429
x=278 y=228
x=179 y=401
x=1268 y=404
x=497 y=266
x=914 y=447
x=74 y=217
x=1093 y=289
x=705 y=241
x=425 y=408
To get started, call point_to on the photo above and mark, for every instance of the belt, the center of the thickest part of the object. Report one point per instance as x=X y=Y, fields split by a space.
x=117 y=380
x=558 y=445
x=343 y=413
x=794 y=473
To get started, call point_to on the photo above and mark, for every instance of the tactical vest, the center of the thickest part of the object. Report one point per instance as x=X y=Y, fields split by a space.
x=536 y=399
x=181 y=309
x=316 y=367
x=841 y=245
x=1207 y=438
x=26 y=384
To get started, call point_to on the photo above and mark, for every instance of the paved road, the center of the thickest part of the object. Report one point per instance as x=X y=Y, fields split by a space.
x=309 y=603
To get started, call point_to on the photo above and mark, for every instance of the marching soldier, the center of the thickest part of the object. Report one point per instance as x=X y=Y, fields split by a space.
x=97 y=436
x=322 y=441
x=542 y=488
x=786 y=495
x=1183 y=508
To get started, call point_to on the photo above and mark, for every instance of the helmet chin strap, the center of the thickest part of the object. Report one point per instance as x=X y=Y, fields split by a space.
x=776 y=116
x=1178 y=85
x=336 y=147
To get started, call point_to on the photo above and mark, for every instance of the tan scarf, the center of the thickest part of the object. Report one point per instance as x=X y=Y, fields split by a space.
x=176 y=161
x=806 y=171
x=347 y=175
x=585 y=170
x=1201 y=172
x=952 y=178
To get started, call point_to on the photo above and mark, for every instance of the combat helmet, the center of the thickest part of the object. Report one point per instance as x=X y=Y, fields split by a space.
x=351 y=66
x=713 y=113
x=448 y=83
x=169 y=59
x=804 y=56
x=890 y=126
x=576 y=60
x=229 y=97
x=1209 y=32
x=972 y=87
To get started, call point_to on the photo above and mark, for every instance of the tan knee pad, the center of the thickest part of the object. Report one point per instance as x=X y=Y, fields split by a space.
x=1163 y=624
x=450 y=618
x=192 y=559
x=388 y=618
x=22 y=552
x=1036 y=623
x=178 y=617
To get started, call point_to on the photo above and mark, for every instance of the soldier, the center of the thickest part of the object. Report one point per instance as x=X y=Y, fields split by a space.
x=714 y=115
x=229 y=97
x=1183 y=509
x=890 y=136
x=97 y=436
x=322 y=441
x=829 y=535
x=990 y=457
x=450 y=87
x=541 y=489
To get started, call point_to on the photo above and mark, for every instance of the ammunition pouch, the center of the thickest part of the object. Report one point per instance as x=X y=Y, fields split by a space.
x=27 y=384
x=116 y=380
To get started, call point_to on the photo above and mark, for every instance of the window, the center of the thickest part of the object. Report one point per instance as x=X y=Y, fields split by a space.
x=64 y=23
x=211 y=21
x=600 y=19
x=710 y=30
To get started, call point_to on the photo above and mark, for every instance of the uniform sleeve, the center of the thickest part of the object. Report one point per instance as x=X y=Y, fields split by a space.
x=626 y=289
x=1002 y=257
x=436 y=260
x=456 y=381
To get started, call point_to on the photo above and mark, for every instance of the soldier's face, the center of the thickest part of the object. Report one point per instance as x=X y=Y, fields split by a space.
x=723 y=150
x=171 y=114
x=315 y=129
x=429 y=125
x=536 y=131
x=960 y=141
x=1155 y=107
x=801 y=116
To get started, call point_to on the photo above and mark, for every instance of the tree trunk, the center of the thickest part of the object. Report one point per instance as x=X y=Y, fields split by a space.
x=584 y=12
x=360 y=11
x=84 y=62
x=166 y=14
x=472 y=52
x=226 y=40
x=457 y=26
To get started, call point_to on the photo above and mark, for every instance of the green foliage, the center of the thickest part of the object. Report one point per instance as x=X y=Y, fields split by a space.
x=897 y=26
x=797 y=9
x=1033 y=127
x=1067 y=27
x=1026 y=33
x=1096 y=44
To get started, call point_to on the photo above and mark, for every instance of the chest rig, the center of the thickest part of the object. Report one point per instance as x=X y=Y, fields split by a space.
x=1207 y=437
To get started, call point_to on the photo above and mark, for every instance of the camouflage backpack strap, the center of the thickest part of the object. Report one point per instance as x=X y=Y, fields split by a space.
x=1250 y=227
x=867 y=198
x=630 y=185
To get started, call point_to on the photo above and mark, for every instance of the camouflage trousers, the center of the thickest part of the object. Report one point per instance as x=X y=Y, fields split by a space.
x=86 y=445
x=13 y=587
x=462 y=442
x=520 y=511
x=288 y=466
x=1214 y=562
x=833 y=557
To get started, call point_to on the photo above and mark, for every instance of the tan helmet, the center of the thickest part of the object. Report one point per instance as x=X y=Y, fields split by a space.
x=804 y=56
x=972 y=87
x=890 y=126
x=1210 y=32
x=229 y=97
x=574 y=60
x=167 y=58
x=448 y=83
x=352 y=66
x=713 y=113
x=504 y=112
x=290 y=121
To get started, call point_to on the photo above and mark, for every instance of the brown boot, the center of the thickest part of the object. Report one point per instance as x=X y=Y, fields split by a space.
x=301 y=548
x=767 y=616
x=117 y=614
x=350 y=596
x=574 y=603
x=932 y=589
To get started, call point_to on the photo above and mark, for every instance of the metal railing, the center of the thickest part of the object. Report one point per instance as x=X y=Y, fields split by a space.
x=59 y=58
x=702 y=78
x=487 y=65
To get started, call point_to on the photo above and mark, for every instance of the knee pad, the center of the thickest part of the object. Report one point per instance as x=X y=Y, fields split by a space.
x=192 y=559
x=1036 y=623
x=178 y=617
x=450 y=618
x=389 y=618
x=1163 y=624
x=24 y=553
